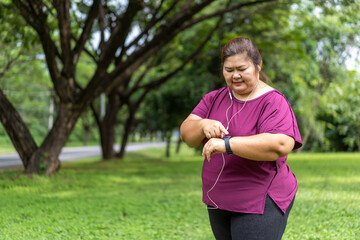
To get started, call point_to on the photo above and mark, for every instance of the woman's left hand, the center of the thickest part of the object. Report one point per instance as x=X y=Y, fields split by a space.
x=213 y=146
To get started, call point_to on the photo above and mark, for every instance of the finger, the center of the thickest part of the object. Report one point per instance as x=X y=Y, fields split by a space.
x=223 y=130
x=208 y=156
x=207 y=150
x=204 y=154
x=208 y=133
x=218 y=132
x=204 y=150
x=213 y=133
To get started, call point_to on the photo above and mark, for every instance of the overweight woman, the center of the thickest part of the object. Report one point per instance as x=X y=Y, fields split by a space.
x=247 y=129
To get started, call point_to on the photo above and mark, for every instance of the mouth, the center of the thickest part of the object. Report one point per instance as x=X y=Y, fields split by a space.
x=238 y=83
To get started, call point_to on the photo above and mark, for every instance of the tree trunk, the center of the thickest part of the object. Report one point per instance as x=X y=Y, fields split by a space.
x=87 y=130
x=107 y=126
x=178 y=145
x=168 y=143
x=127 y=130
x=151 y=136
x=107 y=135
x=46 y=157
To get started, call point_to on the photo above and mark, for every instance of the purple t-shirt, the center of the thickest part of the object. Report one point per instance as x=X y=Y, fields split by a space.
x=243 y=183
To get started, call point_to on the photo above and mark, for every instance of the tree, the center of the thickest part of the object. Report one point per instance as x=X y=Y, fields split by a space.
x=67 y=29
x=158 y=70
x=342 y=109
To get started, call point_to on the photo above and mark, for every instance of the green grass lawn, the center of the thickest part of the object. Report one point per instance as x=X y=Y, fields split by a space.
x=147 y=196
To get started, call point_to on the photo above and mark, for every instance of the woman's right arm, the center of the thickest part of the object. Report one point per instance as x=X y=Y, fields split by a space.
x=195 y=129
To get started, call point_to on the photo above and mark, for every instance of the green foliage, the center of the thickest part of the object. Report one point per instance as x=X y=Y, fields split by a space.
x=85 y=70
x=15 y=33
x=341 y=113
x=24 y=80
x=27 y=88
x=86 y=124
x=146 y=197
x=165 y=109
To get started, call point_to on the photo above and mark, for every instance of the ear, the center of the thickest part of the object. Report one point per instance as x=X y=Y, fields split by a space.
x=259 y=66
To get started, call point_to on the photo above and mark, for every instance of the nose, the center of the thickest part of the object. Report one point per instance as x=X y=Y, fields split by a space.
x=237 y=75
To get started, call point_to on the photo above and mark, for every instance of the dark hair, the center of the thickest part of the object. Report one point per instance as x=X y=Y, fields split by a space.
x=241 y=45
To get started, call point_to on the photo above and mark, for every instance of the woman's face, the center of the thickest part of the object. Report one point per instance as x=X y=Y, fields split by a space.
x=240 y=75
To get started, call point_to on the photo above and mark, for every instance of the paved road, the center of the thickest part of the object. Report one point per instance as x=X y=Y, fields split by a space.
x=10 y=160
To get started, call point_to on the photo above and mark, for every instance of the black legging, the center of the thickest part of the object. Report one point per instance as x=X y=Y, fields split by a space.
x=242 y=226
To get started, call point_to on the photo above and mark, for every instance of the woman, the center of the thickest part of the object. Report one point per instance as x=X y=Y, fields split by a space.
x=247 y=129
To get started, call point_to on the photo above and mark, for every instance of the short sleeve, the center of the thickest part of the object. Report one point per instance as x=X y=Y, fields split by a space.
x=278 y=117
x=204 y=105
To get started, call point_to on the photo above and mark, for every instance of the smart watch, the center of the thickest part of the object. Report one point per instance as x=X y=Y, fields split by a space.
x=227 y=145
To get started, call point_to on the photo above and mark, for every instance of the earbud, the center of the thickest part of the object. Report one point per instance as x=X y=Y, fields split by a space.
x=230 y=95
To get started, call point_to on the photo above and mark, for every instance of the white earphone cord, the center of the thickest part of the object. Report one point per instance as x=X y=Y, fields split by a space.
x=247 y=98
x=228 y=123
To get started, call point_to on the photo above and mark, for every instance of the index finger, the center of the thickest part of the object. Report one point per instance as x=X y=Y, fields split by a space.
x=223 y=130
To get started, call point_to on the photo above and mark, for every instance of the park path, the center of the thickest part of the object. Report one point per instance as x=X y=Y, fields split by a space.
x=11 y=160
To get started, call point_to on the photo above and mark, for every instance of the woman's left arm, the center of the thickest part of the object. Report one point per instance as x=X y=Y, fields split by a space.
x=260 y=147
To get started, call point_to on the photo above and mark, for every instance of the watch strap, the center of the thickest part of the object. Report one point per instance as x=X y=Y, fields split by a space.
x=227 y=145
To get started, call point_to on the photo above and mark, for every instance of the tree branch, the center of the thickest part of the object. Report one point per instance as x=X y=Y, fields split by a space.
x=151 y=24
x=167 y=33
x=17 y=130
x=141 y=77
x=9 y=64
x=80 y=43
x=34 y=15
x=99 y=81
x=165 y=78
x=119 y=33
x=229 y=9
x=101 y=25
x=62 y=8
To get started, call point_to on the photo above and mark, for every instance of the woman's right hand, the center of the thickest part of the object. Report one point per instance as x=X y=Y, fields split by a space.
x=213 y=129
x=195 y=129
